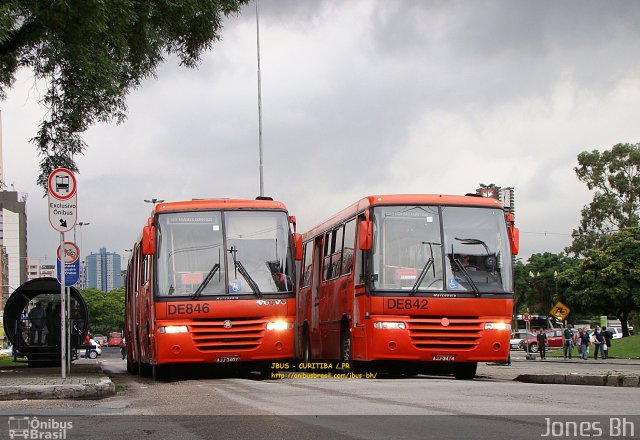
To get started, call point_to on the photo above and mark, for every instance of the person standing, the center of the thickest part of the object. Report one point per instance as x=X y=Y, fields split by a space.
x=608 y=337
x=37 y=316
x=584 y=343
x=542 y=343
x=568 y=341
x=598 y=341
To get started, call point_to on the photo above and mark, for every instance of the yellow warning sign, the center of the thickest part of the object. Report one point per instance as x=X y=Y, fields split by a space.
x=560 y=311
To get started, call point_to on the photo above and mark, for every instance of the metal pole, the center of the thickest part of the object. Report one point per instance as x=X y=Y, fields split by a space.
x=259 y=104
x=68 y=294
x=63 y=311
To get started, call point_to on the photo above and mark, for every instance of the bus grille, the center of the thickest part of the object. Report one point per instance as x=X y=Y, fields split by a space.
x=461 y=333
x=243 y=334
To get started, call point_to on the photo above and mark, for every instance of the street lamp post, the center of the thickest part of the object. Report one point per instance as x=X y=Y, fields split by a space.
x=82 y=268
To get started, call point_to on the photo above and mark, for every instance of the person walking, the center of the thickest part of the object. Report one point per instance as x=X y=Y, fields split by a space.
x=568 y=341
x=598 y=341
x=542 y=343
x=123 y=348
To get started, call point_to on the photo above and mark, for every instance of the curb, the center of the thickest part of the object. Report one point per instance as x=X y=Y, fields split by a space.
x=611 y=380
x=93 y=389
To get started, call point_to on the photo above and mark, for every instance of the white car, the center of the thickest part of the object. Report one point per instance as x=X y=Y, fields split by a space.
x=615 y=331
x=93 y=352
x=518 y=336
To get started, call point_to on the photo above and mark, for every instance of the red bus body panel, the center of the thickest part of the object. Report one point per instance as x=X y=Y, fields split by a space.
x=233 y=329
x=448 y=328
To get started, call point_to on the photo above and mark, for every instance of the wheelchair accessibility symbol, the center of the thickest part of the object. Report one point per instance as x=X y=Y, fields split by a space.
x=453 y=284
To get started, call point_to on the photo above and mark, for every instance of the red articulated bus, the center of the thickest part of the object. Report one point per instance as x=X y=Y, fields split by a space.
x=403 y=283
x=211 y=281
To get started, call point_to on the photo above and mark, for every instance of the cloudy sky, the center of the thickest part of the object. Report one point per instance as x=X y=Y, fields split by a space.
x=359 y=97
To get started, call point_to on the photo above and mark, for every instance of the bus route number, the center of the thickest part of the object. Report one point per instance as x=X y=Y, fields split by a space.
x=407 y=303
x=187 y=309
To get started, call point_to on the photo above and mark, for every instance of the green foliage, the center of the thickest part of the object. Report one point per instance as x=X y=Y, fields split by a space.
x=614 y=176
x=535 y=282
x=92 y=53
x=106 y=310
x=607 y=280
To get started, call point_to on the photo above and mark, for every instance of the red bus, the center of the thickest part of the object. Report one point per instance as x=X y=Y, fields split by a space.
x=114 y=339
x=406 y=282
x=211 y=281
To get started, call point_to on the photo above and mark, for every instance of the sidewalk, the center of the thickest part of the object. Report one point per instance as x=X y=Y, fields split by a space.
x=85 y=381
x=555 y=370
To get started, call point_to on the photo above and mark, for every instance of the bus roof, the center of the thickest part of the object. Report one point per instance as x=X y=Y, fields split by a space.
x=202 y=204
x=400 y=199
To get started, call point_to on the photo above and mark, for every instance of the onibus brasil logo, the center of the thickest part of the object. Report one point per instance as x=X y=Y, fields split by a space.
x=34 y=428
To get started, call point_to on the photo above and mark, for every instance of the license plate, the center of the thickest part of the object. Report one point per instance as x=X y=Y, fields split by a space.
x=234 y=358
x=444 y=357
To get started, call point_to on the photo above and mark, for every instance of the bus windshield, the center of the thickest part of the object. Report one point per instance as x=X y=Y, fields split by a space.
x=215 y=253
x=440 y=248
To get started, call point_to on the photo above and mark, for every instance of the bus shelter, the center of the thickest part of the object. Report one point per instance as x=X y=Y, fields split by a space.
x=32 y=321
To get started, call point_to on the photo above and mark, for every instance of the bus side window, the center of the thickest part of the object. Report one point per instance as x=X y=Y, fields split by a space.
x=326 y=263
x=307 y=259
x=336 y=252
x=347 y=249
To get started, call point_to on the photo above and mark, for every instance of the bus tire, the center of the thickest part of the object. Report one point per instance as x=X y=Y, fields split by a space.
x=161 y=373
x=345 y=349
x=465 y=370
x=306 y=347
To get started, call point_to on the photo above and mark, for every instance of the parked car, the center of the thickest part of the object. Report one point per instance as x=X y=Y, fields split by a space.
x=517 y=337
x=114 y=339
x=615 y=331
x=555 y=339
x=93 y=353
x=100 y=339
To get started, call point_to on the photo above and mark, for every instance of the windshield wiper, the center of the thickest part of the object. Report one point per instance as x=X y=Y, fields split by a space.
x=240 y=268
x=420 y=278
x=206 y=281
x=467 y=276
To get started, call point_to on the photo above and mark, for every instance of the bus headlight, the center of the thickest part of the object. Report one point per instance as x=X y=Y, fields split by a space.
x=279 y=325
x=173 y=329
x=389 y=324
x=497 y=326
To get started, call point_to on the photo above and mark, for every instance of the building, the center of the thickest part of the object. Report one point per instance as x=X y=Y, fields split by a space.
x=103 y=270
x=13 y=236
x=35 y=269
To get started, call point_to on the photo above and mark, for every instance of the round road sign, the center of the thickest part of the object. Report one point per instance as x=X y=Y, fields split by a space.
x=62 y=184
x=71 y=252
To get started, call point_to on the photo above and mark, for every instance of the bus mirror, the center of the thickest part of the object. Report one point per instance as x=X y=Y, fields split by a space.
x=292 y=220
x=148 y=240
x=297 y=243
x=514 y=239
x=365 y=238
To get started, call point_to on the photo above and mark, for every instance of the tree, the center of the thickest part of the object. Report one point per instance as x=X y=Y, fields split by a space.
x=607 y=280
x=614 y=176
x=106 y=310
x=92 y=53
x=538 y=280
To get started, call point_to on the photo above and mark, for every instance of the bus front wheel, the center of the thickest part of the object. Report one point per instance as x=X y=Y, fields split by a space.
x=465 y=370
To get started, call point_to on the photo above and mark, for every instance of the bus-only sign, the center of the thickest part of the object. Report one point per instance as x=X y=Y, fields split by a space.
x=62 y=199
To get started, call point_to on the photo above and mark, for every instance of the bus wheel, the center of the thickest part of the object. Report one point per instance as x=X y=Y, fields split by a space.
x=465 y=370
x=160 y=373
x=345 y=350
x=306 y=348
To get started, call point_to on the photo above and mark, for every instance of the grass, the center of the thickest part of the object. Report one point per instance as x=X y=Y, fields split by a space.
x=625 y=348
x=7 y=362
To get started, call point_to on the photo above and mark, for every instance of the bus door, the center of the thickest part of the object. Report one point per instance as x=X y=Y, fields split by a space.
x=315 y=302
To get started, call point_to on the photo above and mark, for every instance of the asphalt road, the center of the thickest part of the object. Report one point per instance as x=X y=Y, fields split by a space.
x=205 y=405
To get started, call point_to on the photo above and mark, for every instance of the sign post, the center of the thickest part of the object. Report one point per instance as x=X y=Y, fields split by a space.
x=63 y=216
